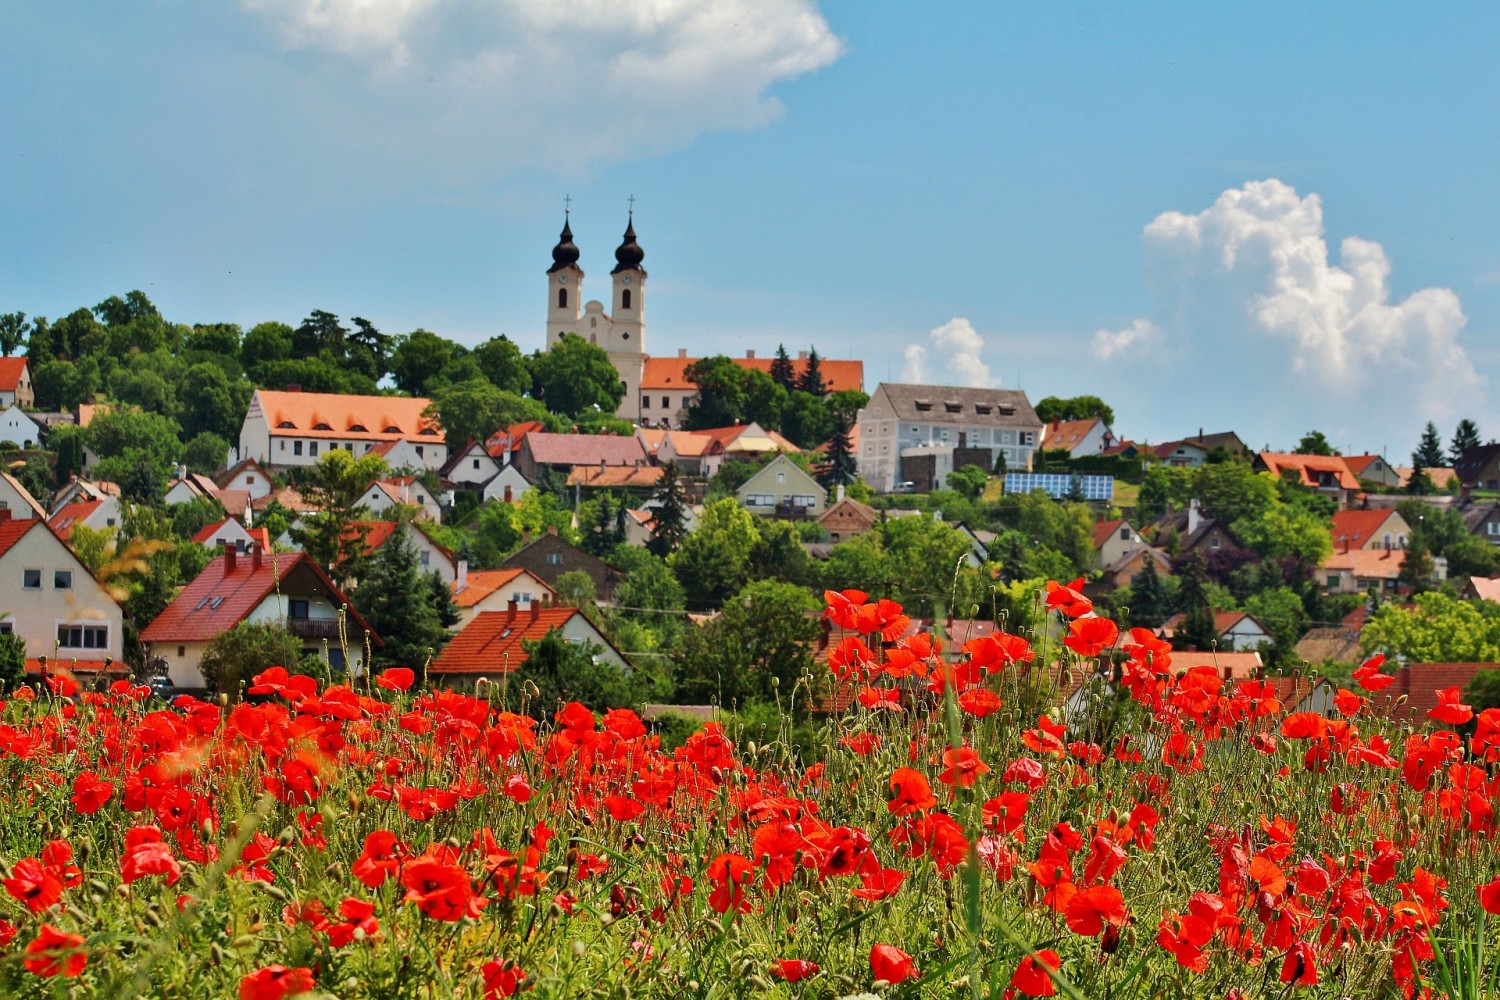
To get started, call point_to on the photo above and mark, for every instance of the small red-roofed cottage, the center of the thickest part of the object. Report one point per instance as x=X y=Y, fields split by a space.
x=1112 y=539
x=1327 y=474
x=285 y=588
x=1079 y=438
x=400 y=491
x=430 y=555
x=249 y=478
x=53 y=602
x=15 y=383
x=478 y=591
x=1373 y=469
x=1237 y=630
x=490 y=645
x=101 y=515
x=230 y=532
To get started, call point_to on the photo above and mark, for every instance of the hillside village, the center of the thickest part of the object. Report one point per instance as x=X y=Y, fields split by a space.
x=188 y=504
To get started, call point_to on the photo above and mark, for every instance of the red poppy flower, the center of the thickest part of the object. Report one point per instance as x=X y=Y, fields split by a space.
x=359 y=922
x=1348 y=703
x=34 y=885
x=53 y=953
x=146 y=854
x=794 y=970
x=1090 y=909
x=1090 y=636
x=979 y=702
x=1450 y=710
x=1006 y=813
x=501 y=979
x=380 y=859
x=396 y=678
x=1368 y=676
x=890 y=964
x=1068 y=599
x=1032 y=976
x=963 y=767
x=913 y=793
x=1300 y=965
x=90 y=793
x=1489 y=896
x=1303 y=726
x=879 y=883
x=440 y=888
x=730 y=873
x=275 y=982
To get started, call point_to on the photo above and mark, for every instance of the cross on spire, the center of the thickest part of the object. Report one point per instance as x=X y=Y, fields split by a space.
x=567 y=203
x=631 y=200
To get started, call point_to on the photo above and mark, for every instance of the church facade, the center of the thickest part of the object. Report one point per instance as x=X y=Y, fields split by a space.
x=657 y=390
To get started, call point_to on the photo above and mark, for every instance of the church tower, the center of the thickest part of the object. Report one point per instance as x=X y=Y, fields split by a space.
x=627 y=329
x=564 y=288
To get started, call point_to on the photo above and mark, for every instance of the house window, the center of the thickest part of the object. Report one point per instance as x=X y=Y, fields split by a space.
x=425 y=558
x=296 y=609
x=1124 y=534
x=554 y=558
x=1333 y=581
x=759 y=500
x=296 y=447
x=1493 y=528
x=419 y=451
x=62 y=579
x=562 y=298
x=476 y=463
x=781 y=477
x=312 y=447
x=1028 y=437
x=625 y=299
x=31 y=579
x=83 y=636
x=666 y=402
x=283 y=445
x=1214 y=542
x=249 y=480
x=181 y=652
x=7 y=628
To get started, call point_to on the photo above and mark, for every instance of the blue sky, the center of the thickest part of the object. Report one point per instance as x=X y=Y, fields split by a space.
x=1266 y=218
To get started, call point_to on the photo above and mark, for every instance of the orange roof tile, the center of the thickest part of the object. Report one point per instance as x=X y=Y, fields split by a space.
x=12 y=530
x=484 y=582
x=1067 y=434
x=1104 y=529
x=1354 y=528
x=1308 y=466
x=615 y=476
x=11 y=370
x=328 y=414
x=491 y=643
x=1368 y=564
x=668 y=373
x=1238 y=666
x=66 y=516
x=1441 y=478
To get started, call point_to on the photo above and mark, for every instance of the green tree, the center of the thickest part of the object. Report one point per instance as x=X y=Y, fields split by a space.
x=783 y=372
x=419 y=357
x=128 y=439
x=721 y=399
x=206 y=453
x=1053 y=408
x=1314 y=443
x=1415 y=575
x=475 y=410
x=757 y=649
x=320 y=331
x=1465 y=437
x=212 y=402
x=714 y=561
x=811 y=379
x=564 y=671
x=504 y=365
x=648 y=596
x=1155 y=494
x=368 y=349
x=1281 y=611
x=969 y=480
x=12 y=662
x=1483 y=691
x=1233 y=491
x=66 y=442
x=1149 y=601
x=328 y=534
x=1435 y=628
x=13 y=332
x=778 y=554
x=805 y=421
x=575 y=376
x=394 y=598
x=1429 y=453
x=265 y=343
x=927 y=554
x=1197 y=629
x=142 y=381
x=1282 y=532
x=236 y=655
x=1419 y=483
x=669 y=514
x=1471 y=556
x=843 y=466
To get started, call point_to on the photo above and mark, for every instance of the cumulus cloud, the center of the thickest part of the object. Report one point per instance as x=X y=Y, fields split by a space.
x=1131 y=341
x=499 y=84
x=954 y=358
x=1248 y=291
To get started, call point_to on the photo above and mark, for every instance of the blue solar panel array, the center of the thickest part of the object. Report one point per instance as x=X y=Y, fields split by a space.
x=1059 y=484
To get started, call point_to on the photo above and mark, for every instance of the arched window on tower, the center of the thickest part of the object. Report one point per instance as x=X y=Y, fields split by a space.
x=562 y=298
x=625 y=299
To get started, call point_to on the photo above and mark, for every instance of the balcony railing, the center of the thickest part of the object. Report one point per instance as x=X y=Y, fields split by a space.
x=313 y=628
x=794 y=511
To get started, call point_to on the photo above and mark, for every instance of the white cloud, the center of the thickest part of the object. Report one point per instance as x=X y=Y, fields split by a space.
x=956 y=346
x=1131 y=341
x=483 y=86
x=1247 y=290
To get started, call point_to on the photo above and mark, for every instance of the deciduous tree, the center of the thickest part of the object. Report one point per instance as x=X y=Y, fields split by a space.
x=575 y=376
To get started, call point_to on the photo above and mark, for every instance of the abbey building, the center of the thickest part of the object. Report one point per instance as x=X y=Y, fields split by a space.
x=657 y=391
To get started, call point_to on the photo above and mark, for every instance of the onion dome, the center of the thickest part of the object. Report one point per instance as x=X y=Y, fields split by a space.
x=565 y=254
x=629 y=255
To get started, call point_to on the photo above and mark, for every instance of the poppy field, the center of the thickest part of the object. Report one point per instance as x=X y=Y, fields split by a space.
x=1171 y=834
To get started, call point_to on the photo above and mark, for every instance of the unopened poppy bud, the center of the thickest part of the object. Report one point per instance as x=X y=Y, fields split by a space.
x=776 y=682
x=759 y=983
x=243 y=941
x=207 y=829
x=605 y=919
x=579 y=948
x=215 y=953
x=154 y=918
x=123 y=891
x=277 y=892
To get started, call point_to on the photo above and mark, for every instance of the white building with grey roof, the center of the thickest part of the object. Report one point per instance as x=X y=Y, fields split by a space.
x=920 y=433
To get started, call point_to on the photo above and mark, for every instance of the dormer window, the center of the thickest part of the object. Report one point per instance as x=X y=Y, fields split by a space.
x=1007 y=411
x=286 y=423
x=430 y=431
x=392 y=429
x=923 y=406
x=321 y=426
x=358 y=429
x=982 y=408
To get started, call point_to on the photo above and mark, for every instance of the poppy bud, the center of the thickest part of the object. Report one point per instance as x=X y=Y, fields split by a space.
x=579 y=948
x=1110 y=942
x=605 y=919
x=287 y=837
x=277 y=892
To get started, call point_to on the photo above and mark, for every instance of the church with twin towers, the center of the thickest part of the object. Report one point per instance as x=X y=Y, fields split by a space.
x=657 y=390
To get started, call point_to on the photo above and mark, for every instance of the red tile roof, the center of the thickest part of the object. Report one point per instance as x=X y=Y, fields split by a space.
x=217 y=600
x=1354 y=528
x=510 y=438
x=1308 y=466
x=484 y=582
x=209 y=530
x=1421 y=682
x=380 y=416
x=1441 y=478
x=1104 y=529
x=12 y=530
x=1238 y=666
x=377 y=533
x=68 y=515
x=1223 y=622
x=1067 y=434
x=668 y=373
x=1359 y=463
x=491 y=643
x=56 y=665
x=584 y=449
x=616 y=476
x=1368 y=564
x=727 y=436
x=11 y=370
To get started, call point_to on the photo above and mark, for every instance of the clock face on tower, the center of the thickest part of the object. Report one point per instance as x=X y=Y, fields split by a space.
x=625 y=280
x=562 y=279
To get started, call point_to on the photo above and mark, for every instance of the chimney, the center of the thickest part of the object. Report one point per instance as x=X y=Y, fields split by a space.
x=552 y=530
x=801 y=355
x=525 y=536
x=840 y=493
x=463 y=575
x=1195 y=517
x=255 y=556
x=536 y=610
x=1200 y=434
x=4 y=514
x=682 y=352
x=508 y=495
x=510 y=607
x=750 y=355
x=228 y=557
